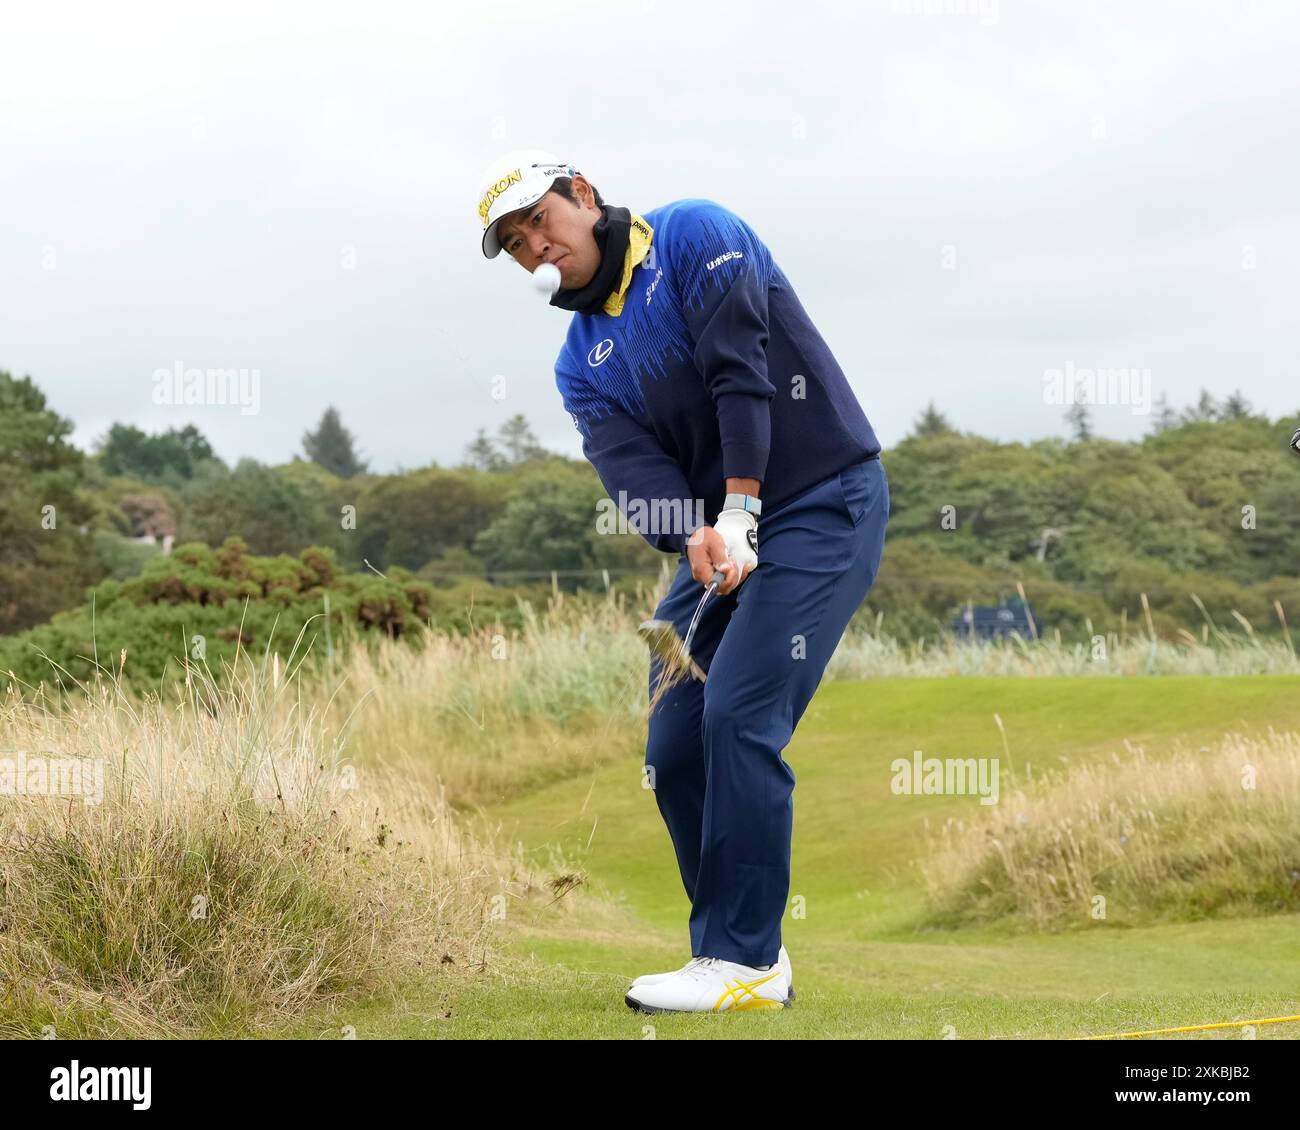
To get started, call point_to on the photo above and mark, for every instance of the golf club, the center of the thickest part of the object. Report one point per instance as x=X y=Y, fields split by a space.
x=675 y=653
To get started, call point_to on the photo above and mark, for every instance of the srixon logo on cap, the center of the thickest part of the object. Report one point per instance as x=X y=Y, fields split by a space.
x=485 y=205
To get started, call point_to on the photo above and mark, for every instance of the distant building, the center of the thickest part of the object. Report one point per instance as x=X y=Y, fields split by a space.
x=982 y=621
x=166 y=541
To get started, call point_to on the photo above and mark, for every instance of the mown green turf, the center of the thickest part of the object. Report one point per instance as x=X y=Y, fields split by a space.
x=859 y=968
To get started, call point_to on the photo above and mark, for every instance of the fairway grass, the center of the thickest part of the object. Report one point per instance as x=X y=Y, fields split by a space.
x=861 y=969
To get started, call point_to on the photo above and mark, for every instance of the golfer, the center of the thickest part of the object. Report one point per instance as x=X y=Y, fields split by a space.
x=701 y=388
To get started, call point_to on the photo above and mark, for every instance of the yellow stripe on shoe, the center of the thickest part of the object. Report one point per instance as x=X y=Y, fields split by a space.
x=737 y=992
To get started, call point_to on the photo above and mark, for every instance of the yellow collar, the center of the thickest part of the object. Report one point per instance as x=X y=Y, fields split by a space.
x=638 y=247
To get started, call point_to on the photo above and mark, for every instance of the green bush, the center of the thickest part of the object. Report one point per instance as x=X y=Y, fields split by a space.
x=204 y=603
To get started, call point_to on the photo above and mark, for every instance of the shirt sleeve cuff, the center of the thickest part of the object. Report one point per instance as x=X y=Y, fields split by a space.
x=744 y=461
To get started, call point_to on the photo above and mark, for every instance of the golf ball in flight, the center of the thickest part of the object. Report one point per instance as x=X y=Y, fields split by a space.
x=546 y=278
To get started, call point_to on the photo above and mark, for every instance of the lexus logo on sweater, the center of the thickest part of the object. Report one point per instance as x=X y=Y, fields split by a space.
x=599 y=352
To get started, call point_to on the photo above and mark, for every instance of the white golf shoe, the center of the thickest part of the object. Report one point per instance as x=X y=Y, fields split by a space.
x=655 y=978
x=709 y=984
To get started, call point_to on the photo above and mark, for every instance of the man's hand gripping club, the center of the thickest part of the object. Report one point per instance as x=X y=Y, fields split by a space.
x=729 y=546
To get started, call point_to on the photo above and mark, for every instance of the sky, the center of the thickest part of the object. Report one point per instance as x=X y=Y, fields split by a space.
x=971 y=198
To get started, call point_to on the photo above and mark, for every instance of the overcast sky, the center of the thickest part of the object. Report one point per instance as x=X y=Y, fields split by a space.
x=965 y=194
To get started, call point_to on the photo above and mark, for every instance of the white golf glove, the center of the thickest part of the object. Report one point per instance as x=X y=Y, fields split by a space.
x=739 y=532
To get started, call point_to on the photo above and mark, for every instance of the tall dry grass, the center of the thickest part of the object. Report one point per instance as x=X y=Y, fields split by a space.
x=239 y=871
x=1188 y=836
x=495 y=712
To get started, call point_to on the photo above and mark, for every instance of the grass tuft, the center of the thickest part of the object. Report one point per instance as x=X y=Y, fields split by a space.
x=1130 y=841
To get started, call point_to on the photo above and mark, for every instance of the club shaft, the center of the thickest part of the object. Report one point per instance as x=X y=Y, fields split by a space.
x=718 y=578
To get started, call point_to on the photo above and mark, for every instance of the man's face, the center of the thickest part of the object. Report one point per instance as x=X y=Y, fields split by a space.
x=556 y=230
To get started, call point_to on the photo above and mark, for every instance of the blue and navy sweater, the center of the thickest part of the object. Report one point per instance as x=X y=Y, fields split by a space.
x=712 y=370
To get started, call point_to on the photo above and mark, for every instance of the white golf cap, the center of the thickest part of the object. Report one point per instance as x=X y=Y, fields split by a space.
x=520 y=178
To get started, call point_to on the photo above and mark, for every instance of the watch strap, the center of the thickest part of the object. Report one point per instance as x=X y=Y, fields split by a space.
x=747 y=502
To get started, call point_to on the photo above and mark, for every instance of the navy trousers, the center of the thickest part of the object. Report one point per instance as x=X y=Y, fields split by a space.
x=714 y=748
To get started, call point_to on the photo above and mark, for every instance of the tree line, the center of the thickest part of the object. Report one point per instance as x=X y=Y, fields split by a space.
x=1204 y=504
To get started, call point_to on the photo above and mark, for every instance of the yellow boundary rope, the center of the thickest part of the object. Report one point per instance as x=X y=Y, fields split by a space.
x=1190 y=1028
